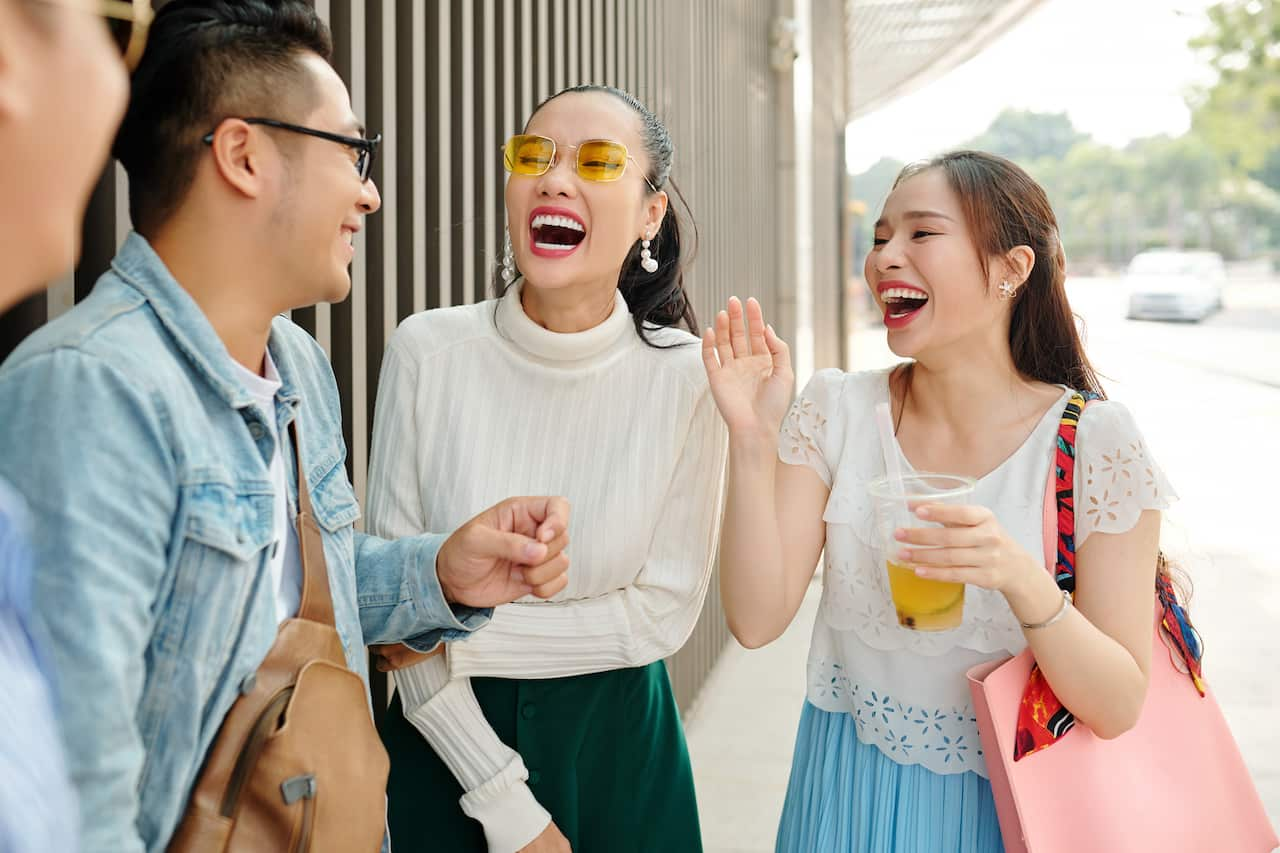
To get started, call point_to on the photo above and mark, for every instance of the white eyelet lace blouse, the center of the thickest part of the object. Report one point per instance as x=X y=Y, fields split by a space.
x=906 y=689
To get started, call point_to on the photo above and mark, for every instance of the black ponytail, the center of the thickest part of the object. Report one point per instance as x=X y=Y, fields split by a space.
x=658 y=299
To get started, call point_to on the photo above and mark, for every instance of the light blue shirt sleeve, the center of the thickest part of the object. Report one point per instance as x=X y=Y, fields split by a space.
x=37 y=804
x=100 y=544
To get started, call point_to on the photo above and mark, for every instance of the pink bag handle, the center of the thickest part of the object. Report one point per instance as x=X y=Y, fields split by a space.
x=1050 y=522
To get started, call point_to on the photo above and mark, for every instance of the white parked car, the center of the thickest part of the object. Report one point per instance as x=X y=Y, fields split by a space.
x=1164 y=284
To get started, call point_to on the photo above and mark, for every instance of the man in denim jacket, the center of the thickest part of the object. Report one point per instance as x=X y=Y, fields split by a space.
x=138 y=427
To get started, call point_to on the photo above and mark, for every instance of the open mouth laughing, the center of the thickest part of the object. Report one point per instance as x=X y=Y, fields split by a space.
x=555 y=232
x=902 y=303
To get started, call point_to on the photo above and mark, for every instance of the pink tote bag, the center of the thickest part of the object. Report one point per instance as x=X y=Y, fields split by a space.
x=1174 y=783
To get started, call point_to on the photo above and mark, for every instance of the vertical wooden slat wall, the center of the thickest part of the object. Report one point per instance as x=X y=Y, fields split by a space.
x=827 y=42
x=445 y=82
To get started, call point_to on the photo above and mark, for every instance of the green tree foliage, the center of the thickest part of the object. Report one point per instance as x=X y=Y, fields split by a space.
x=872 y=186
x=1217 y=186
x=1111 y=203
x=1240 y=113
x=1026 y=137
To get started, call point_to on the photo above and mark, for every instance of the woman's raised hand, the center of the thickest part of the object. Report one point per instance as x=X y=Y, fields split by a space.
x=749 y=368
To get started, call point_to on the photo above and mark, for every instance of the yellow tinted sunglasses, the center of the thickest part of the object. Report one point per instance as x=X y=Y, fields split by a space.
x=600 y=160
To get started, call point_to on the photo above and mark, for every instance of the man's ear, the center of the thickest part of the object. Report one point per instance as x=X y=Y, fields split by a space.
x=239 y=154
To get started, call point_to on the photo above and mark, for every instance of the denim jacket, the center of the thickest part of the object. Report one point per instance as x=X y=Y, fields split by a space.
x=145 y=465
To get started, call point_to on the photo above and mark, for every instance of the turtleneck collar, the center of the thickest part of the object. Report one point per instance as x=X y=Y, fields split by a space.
x=561 y=347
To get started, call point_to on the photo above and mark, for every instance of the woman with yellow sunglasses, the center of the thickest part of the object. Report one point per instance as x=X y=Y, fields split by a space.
x=555 y=726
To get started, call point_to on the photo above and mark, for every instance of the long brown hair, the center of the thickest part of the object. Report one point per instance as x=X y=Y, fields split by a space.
x=1004 y=208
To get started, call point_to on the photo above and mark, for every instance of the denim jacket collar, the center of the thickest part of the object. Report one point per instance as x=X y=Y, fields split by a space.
x=288 y=394
x=139 y=265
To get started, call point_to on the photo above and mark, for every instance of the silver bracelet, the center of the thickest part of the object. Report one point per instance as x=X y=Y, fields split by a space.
x=1062 y=611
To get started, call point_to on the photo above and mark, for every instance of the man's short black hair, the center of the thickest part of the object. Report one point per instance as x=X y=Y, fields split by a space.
x=208 y=60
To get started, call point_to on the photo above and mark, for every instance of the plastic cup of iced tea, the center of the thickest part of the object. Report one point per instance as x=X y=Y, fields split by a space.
x=922 y=604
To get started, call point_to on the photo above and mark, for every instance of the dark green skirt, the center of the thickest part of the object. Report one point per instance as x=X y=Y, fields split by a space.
x=606 y=757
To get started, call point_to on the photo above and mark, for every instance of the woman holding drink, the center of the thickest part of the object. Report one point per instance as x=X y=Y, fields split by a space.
x=968 y=268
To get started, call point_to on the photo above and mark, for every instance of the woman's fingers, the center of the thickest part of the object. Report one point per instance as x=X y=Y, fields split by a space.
x=709 y=359
x=739 y=332
x=950 y=557
x=941 y=537
x=779 y=350
x=755 y=328
x=723 y=347
x=954 y=515
x=952 y=575
x=737 y=329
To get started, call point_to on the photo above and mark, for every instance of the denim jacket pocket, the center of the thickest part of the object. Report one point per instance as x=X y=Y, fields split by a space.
x=236 y=520
x=226 y=529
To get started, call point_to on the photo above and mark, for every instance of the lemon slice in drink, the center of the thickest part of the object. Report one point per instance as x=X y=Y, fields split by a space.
x=917 y=599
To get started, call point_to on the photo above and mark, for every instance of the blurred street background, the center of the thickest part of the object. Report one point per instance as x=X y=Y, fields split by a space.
x=1153 y=124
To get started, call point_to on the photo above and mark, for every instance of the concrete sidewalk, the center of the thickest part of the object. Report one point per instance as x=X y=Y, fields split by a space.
x=741 y=731
x=742 y=728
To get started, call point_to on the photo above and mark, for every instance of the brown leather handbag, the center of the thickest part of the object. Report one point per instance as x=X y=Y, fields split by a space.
x=296 y=765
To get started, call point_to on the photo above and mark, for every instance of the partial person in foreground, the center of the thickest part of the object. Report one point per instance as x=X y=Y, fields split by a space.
x=556 y=727
x=968 y=268
x=63 y=88
x=156 y=428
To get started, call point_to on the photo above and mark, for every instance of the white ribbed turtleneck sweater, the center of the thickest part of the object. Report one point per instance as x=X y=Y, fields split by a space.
x=478 y=403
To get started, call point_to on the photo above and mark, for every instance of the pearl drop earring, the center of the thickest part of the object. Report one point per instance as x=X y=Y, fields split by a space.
x=647 y=260
x=508 y=260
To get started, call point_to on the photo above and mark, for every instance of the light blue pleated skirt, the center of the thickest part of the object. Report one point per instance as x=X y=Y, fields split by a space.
x=848 y=796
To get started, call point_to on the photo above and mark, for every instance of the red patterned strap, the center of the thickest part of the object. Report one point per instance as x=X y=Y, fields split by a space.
x=1042 y=719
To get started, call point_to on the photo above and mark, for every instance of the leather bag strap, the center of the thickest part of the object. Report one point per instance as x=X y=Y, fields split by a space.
x=317 y=603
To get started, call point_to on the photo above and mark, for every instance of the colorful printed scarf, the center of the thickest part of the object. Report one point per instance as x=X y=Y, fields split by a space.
x=1042 y=719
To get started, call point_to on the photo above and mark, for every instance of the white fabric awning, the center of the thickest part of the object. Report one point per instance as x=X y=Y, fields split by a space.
x=896 y=46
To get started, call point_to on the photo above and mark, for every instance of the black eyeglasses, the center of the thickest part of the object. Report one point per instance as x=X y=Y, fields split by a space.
x=366 y=149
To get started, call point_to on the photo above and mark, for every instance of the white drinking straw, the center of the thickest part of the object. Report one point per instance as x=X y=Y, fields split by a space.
x=892 y=467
